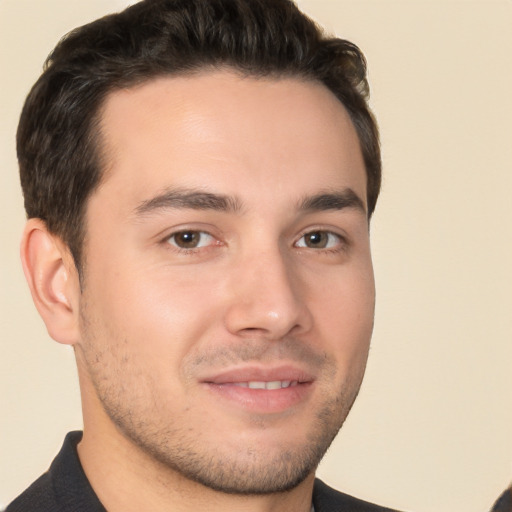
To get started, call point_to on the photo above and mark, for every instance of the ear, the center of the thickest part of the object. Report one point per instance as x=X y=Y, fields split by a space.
x=53 y=280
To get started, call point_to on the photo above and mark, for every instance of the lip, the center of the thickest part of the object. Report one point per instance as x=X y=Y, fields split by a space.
x=226 y=386
x=260 y=373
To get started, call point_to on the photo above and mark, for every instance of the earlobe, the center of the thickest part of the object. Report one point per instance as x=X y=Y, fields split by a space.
x=53 y=281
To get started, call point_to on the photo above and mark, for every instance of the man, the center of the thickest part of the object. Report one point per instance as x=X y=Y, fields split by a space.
x=199 y=177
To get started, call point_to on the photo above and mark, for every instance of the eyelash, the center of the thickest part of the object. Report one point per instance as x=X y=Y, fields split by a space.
x=341 y=242
x=190 y=250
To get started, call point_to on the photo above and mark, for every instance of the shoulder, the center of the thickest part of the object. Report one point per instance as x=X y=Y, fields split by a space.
x=38 y=497
x=63 y=488
x=327 y=499
x=504 y=502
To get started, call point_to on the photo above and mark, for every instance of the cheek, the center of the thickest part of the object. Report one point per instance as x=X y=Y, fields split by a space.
x=344 y=313
x=158 y=312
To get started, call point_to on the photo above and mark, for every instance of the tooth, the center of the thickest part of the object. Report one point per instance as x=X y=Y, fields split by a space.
x=275 y=384
x=257 y=385
x=242 y=384
x=285 y=384
x=293 y=383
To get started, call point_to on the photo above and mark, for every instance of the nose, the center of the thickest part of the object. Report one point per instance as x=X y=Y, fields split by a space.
x=267 y=299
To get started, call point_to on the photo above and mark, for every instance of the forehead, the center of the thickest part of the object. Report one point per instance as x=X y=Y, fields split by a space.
x=221 y=130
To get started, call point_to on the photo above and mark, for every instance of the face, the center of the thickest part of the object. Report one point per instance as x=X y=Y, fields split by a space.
x=228 y=293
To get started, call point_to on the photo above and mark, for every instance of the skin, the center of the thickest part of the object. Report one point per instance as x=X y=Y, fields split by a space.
x=229 y=235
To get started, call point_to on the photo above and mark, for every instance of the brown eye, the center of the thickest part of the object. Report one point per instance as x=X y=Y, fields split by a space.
x=319 y=240
x=190 y=239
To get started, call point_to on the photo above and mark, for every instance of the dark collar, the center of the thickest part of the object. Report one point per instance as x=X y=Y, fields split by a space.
x=326 y=499
x=71 y=487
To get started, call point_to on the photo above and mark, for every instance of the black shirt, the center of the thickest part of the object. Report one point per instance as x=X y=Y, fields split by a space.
x=63 y=488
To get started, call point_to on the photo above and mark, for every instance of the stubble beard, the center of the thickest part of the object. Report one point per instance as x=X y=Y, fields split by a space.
x=249 y=470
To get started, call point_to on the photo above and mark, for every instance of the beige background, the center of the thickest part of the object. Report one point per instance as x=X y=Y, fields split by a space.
x=432 y=428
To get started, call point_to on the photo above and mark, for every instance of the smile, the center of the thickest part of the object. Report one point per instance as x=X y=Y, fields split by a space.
x=262 y=390
x=275 y=384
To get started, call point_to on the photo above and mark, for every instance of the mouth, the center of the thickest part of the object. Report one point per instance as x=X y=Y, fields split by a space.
x=262 y=390
x=260 y=384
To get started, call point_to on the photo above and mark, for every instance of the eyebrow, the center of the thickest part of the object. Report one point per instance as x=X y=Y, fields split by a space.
x=189 y=199
x=335 y=200
x=184 y=198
